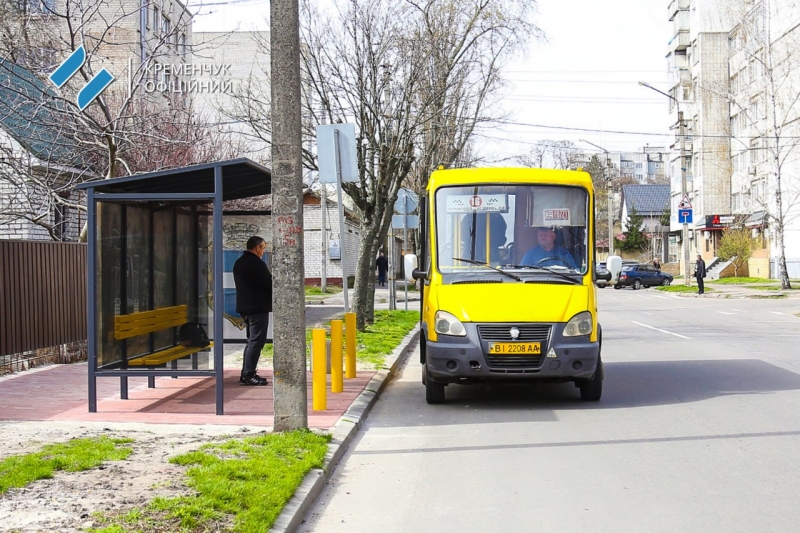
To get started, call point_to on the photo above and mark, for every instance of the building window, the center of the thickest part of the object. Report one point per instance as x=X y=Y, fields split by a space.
x=40 y=7
x=59 y=222
x=155 y=19
x=165 y=27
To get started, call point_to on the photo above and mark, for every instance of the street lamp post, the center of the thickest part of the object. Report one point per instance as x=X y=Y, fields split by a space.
x=684 y=194
x=610 y=199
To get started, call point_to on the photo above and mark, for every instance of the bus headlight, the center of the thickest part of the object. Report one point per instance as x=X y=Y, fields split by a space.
x=447 y=324
x=580 y=324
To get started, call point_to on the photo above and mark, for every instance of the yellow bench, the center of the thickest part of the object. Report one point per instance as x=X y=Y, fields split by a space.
x=142 y=323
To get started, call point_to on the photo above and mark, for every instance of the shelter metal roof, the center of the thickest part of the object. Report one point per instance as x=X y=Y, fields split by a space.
x=241 y=178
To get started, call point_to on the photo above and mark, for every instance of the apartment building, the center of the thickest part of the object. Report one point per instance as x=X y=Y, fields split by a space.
x=646 y=166
x=720 y=56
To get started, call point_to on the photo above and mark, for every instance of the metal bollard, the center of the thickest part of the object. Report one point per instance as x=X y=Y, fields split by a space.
x=318 y=375
x=336 y=356
x=350 y=341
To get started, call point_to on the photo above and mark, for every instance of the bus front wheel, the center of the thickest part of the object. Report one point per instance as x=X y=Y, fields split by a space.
x=434 y=392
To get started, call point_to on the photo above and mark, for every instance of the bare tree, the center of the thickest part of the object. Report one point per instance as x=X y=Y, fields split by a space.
x=550 y=154
x=416 y=77
x=466 y=45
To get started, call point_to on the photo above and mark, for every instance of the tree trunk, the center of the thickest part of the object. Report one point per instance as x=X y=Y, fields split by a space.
x=287 y=218
x=364 y=287
x=784 y=272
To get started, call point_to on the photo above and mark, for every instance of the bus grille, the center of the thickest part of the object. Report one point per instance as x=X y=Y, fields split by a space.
x=527 y=333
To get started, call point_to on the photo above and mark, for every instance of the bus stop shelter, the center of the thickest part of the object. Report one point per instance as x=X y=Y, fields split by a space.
x=156 y=268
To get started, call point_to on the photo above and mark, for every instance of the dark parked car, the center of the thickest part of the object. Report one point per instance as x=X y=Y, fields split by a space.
x=638 y=276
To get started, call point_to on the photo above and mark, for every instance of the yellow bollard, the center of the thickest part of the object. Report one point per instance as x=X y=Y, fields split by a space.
x=336 y=356
x=318 y=373
x=350 y=340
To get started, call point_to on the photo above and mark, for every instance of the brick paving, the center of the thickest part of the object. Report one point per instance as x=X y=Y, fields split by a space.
x=60 y=392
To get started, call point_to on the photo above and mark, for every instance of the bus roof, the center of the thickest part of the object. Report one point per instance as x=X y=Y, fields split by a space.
x=547 y=176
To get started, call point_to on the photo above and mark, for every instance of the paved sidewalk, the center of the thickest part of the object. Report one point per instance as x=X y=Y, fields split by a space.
x=60 y=392
x=736 y=291
x=381 y=298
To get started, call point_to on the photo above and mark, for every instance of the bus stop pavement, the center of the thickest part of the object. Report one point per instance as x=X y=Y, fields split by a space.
x=59 y=394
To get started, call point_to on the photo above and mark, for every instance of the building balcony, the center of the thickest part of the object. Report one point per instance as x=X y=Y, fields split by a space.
x=677 y=61
x=680 y=41
x=676 y=6
x=680 y=22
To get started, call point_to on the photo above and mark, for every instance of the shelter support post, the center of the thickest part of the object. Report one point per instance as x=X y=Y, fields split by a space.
x=219 y=298
x=91 y=221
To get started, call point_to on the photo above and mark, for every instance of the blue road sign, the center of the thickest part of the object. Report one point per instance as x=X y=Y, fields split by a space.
x=685 y=216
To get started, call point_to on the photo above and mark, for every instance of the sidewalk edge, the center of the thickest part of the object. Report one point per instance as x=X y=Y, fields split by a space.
x=344 y=431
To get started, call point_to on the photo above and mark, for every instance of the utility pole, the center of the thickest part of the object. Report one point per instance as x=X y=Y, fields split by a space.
x=684 y=193
x=687 y=279
x=287 y=220
x=609 y=193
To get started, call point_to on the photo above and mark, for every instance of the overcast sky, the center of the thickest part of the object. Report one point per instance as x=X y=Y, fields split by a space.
x=584 y=77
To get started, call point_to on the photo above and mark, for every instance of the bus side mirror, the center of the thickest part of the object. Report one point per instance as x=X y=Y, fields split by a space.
x=614 y=266
x=410 y=268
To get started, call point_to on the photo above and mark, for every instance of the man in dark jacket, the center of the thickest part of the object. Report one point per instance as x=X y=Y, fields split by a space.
x=254 y=302
x=382 y=264
x=700 y=273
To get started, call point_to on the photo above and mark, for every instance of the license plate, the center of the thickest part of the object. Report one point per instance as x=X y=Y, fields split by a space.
x=521 y=348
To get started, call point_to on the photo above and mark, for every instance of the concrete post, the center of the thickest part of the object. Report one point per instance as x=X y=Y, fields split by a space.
x=290 y=393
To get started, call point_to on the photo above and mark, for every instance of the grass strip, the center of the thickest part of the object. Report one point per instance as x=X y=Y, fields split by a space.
x=736 y=281
x=75 y=455
x=378 y=340
x=681 y=288
x=240 y=485
x=314 y=290
x=381 y=338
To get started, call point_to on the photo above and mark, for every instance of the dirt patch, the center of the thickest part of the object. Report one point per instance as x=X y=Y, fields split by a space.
x=67 y=502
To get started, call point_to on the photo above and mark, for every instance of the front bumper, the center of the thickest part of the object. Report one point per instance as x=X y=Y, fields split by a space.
x=466 y=359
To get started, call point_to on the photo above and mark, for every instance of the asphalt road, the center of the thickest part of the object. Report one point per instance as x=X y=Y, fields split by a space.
x=322 y=314
x=698 y=430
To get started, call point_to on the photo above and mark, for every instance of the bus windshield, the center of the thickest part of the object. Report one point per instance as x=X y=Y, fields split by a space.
x=513 y=227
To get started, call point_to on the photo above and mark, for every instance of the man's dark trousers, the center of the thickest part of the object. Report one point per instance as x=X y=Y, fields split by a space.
x=257 y=324
x=700 y=287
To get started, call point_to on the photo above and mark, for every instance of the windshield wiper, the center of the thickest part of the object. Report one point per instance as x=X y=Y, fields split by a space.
x=534 y=267
x=481 y=263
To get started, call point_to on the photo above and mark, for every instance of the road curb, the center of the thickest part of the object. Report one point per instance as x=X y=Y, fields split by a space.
x=732 y=295
x=344 y=431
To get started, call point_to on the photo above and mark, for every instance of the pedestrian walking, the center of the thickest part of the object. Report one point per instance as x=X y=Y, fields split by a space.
x=382 y=264
x=254 y=302
x=700 y=273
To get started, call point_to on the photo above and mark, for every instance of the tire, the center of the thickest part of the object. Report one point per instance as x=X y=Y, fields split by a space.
x=665 y=283
x=617 y=286
x=637 y=284
x=592 y=389
x=434 y=392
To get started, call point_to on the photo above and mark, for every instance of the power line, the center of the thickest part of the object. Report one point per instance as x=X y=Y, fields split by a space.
x=584 y=71
x=601 y=82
